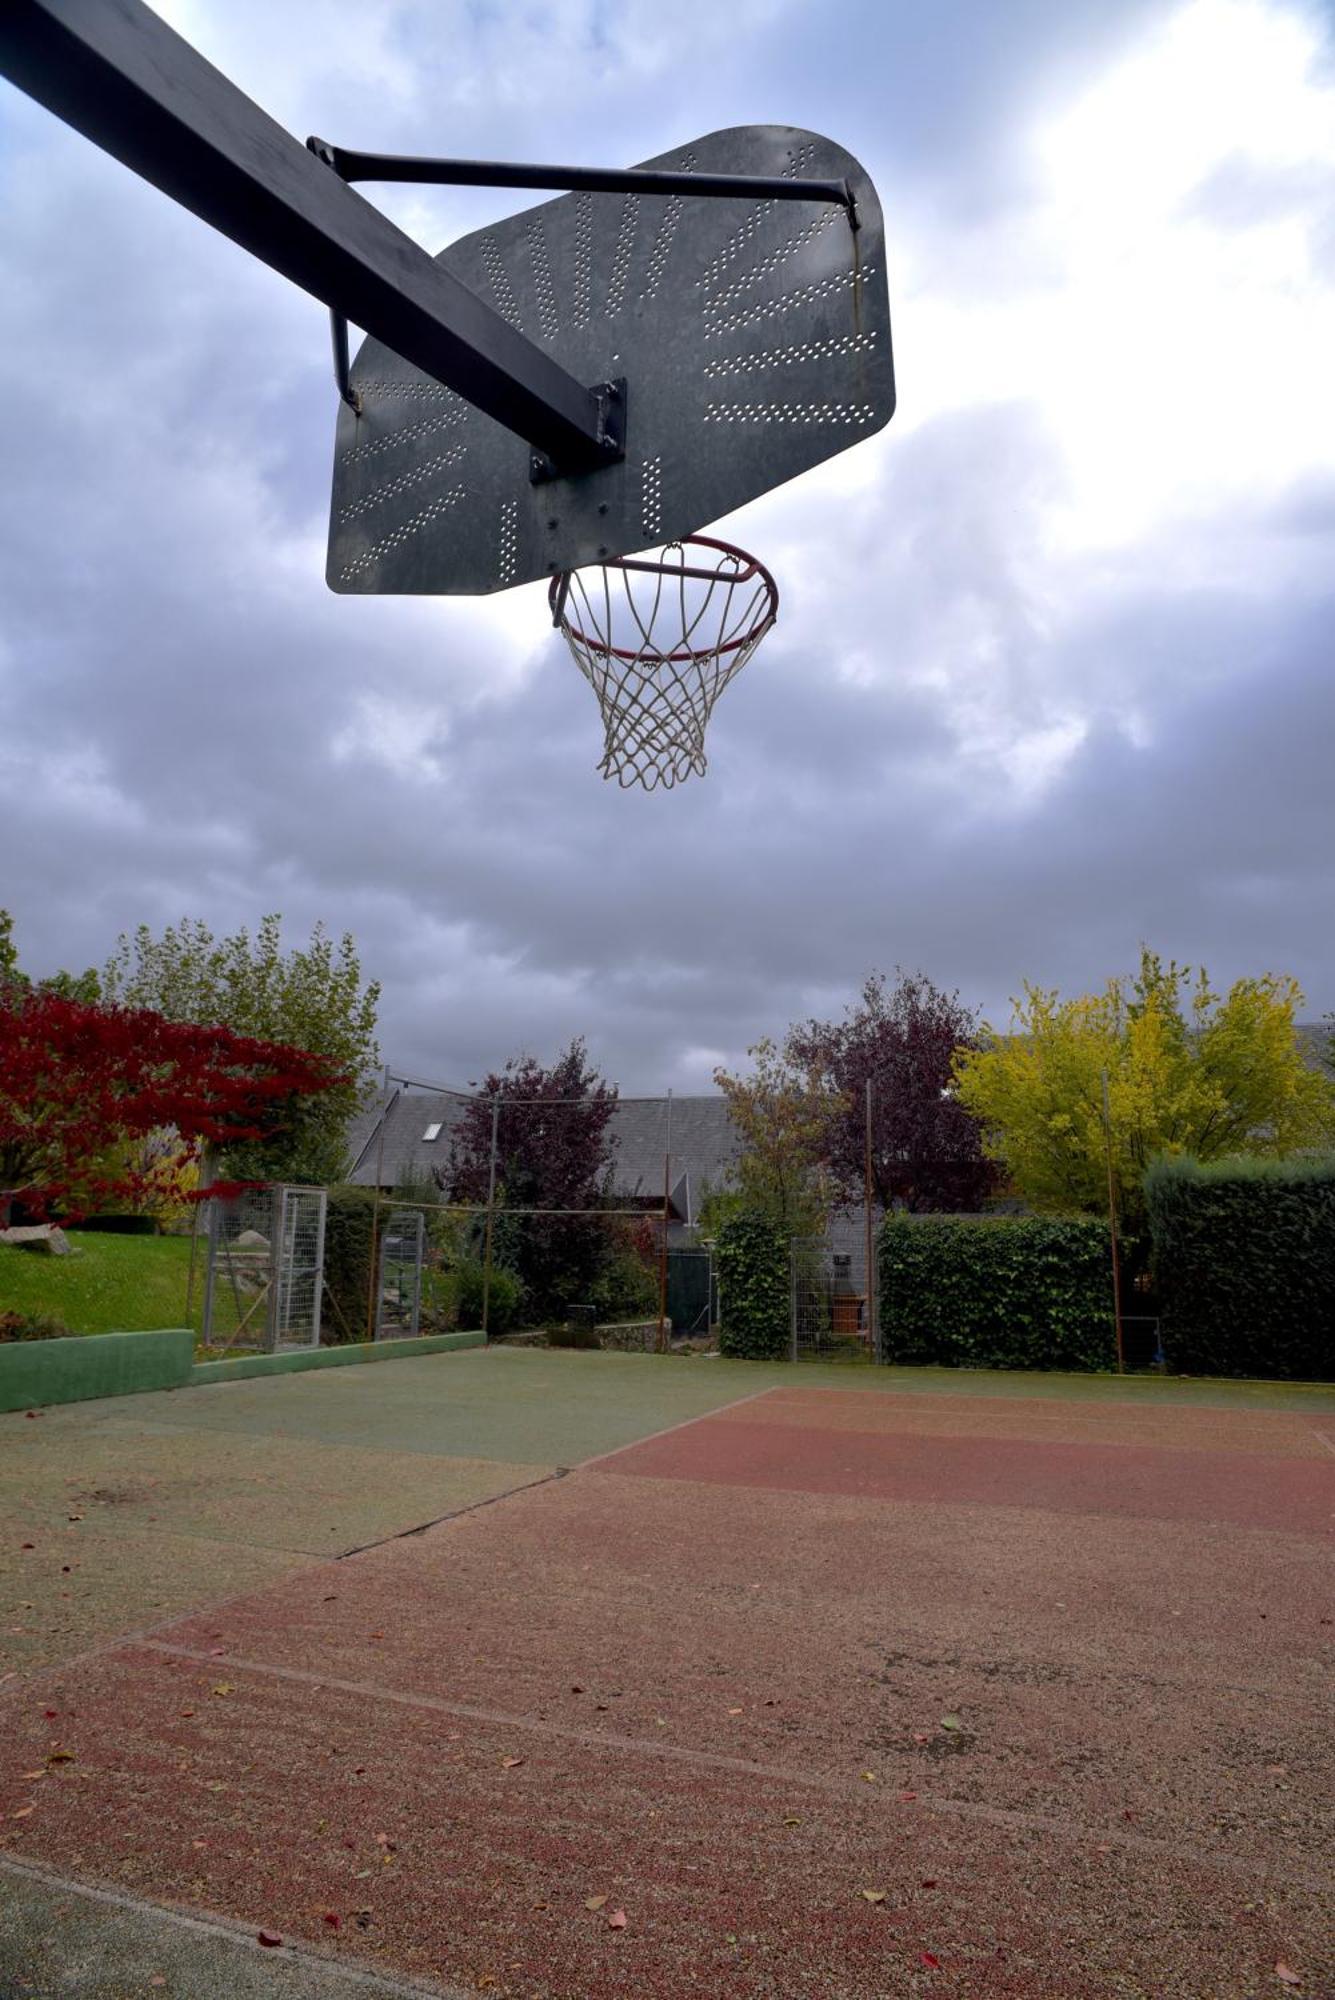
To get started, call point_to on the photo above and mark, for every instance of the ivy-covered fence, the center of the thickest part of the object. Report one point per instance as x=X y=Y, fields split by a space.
x=1244 y=1262
x=1004 y=1292
x=751 y=1258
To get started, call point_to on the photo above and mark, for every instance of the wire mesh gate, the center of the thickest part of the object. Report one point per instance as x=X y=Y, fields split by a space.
x=832 y=1295
x=264 y=1269
x=398 y=1309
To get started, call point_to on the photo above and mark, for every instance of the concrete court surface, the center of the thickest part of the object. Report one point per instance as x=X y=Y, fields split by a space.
x=835 y=1683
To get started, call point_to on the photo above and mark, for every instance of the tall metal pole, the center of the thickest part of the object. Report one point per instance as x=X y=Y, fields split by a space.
x=867 y=1186
x=491 y=1210
x=660 y=1345
x=1112 y=1227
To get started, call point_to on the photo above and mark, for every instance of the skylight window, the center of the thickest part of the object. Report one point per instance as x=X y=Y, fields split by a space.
x=432 y=1132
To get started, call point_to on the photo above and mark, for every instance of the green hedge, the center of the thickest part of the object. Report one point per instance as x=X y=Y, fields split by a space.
x=1012 y=1292
x=751 y=1258
x=349 y=1220
x=1244 y=1260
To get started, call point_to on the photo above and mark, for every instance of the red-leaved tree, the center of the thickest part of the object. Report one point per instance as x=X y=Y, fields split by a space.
x=78 y=1081
x=926 y=1149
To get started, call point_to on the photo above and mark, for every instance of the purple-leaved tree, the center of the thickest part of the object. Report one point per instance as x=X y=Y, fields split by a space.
x=926 y=1150
x=553 y=1151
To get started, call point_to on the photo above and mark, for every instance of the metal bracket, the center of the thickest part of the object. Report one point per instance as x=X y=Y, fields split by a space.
x=610 y=399
x=338 y=328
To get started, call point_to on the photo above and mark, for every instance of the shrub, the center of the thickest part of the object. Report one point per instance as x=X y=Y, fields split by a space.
x=751 y=1257
x=505 y=1297
x=1018 y=1292
x=31 y=1326
x=1244 y=1258
x=349 y=1223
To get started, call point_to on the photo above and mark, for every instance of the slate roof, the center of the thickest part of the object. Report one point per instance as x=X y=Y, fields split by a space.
x=388 y=1144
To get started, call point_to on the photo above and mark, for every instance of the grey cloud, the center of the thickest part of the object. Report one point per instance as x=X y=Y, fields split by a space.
x=188 y=719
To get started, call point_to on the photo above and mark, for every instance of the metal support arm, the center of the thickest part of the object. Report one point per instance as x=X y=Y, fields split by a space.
x=116 y=72
x=350 y=165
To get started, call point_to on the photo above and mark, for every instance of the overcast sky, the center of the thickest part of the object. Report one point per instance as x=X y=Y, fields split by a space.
x=1055 y=672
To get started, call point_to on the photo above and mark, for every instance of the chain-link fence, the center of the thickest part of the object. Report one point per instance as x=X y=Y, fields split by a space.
x=832 y=1294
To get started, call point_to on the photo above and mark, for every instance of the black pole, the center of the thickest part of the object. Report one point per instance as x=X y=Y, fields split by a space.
x=117 y=73
x=352 y=165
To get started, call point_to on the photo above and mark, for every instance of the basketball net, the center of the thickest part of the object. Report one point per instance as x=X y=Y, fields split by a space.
x=658 y=638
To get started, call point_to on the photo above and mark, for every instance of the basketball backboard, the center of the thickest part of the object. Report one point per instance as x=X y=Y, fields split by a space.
x=752 y=337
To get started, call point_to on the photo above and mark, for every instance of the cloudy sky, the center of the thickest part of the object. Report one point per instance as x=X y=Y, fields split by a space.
x=1055 y=672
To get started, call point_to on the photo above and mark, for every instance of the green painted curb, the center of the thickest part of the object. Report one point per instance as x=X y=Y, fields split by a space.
x=34 y=1373
x=204 y=1372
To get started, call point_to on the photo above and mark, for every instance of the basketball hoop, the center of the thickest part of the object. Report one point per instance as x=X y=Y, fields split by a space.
x=658 y=638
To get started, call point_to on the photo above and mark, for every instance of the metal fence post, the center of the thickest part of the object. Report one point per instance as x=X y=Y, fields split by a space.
x=792 y=1297
x=273 y=1304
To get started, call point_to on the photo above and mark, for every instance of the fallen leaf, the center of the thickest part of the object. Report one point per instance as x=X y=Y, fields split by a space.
x=617 y=1921
x=187 y=1711
x=792 y=1820
x=951 y=1722
x=333 y=1919
x=930 y=1883
x=510 y=1763
x=870 y=1777
x=1287 y=1974
x=873 y=1895
x=61 y=1757
x=22 y=1812
x=594 y=1902
x=50 y=1713
x=929 y=1958
x=224 y=1687
x=906 y=1796
x=270 y=1938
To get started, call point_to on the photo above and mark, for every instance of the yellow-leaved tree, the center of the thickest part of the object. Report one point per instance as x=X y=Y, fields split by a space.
x=1189 y=1071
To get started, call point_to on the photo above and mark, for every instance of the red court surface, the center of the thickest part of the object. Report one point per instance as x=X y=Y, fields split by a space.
x=843 y=1694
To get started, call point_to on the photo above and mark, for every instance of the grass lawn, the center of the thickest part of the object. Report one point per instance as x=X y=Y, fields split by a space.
x=108 y=1284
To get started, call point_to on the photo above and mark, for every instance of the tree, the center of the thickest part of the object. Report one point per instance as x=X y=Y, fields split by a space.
x=310 y=998
x=83 y=1085
x=553 y=1151
x=1189 y=1072
x=926 y=1150
x=73 y=985
x=782 y=1117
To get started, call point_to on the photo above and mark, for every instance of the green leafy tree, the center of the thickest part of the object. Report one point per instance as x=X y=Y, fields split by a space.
x=782 y=1117
x=310 y=998
x=1189 y=1071
x=82 y=986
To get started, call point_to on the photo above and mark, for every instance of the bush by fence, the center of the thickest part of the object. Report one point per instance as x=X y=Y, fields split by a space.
x=751 y=1258
x=1244 y=1260
x=1013 y=1292
x=349 y=1221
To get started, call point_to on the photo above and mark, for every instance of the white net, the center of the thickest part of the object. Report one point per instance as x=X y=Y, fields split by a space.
x=658 y=638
